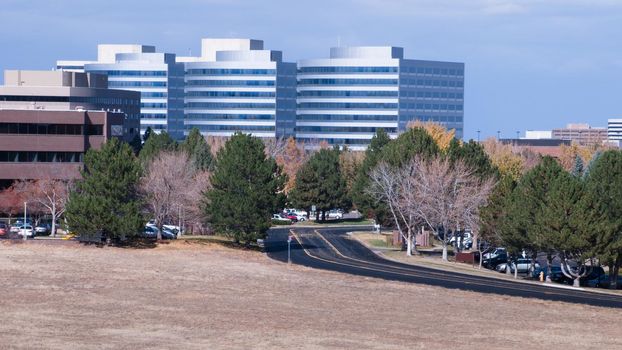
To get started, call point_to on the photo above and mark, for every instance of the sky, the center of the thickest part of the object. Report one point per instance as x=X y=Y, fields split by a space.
x=530 y=64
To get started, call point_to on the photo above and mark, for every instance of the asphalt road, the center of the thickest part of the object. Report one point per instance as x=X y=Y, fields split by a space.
x=331 y=249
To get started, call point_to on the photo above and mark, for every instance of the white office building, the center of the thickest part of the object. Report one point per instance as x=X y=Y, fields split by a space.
x=614 y=131
x=236 y=85
x=157 y=76
x=346 y=98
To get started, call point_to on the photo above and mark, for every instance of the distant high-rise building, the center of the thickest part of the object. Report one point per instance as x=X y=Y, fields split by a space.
x=157 y=76
x=236 y=85
x=346 y=98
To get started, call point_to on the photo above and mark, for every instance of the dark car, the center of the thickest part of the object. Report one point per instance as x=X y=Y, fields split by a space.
x=596 y=277
x=168 y=233
x=150 y=232
x=494 y=258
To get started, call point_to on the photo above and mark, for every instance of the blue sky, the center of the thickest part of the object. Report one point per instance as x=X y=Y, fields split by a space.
x=530 y=64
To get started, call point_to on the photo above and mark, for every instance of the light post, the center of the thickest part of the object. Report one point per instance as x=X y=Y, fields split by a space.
x=289 y=249
x=24 y=224
x=478 y=131
x=498 y=135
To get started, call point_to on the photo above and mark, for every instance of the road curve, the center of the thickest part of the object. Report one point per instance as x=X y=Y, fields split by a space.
x=331 y=249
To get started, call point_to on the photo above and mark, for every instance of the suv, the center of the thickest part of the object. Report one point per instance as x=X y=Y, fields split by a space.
x=523 y=265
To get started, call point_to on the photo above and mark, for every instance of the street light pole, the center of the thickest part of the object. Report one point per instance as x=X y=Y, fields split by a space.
x=24 y=225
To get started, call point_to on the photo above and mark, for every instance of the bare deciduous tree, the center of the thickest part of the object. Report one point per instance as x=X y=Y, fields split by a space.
x=46 y=195
x=168 y=180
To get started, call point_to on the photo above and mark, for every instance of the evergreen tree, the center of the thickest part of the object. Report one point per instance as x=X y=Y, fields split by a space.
x=198 y=150
x=411 y=143
x=106 y=201
x=155 y=144
x=245 y=190
x=519 y=228
x=147 y=134
x=474 y=156
x=604 y=186
x=577 y=169
x=320 y=182
x=136 y=144
x=367 y=205
x=492 y=216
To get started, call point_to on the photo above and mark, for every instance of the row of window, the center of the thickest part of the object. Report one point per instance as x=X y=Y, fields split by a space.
x=438 y=118
x=347 y=70
x=433 y=94
x=149 y=94
x=228 y=71
x=431 y=106
x=434 y=71
x=203 y=116
x=50 y=129
x=333 y=93
x=347 y=82
x=433 y=83
x=236 y=127
x=231 y=94
x=348 y=129
x=41 y=157
x=153 y=105
x=68 y=99
x=153 y=116
x=116 y=83
x=335 y=105
x=230 y=82
x=224 y=105
x=345 y=117
x=133 y=73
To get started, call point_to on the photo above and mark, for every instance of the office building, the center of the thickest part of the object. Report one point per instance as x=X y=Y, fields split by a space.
x=346 y=98
x=614 y=132
x=157 y=76
x=582 y=134
x=49 y=119
x=236 y=85
x=538 y=134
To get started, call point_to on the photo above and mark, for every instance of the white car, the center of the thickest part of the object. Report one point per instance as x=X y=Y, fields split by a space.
x=280 y=218
x=26 y=230
x=334 y=214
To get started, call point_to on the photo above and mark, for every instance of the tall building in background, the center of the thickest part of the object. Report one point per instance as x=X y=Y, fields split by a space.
x=614 y=131
x=49 y=119
x=583 y=134
x=157 y=76
x=346 y=98
x=236 y=85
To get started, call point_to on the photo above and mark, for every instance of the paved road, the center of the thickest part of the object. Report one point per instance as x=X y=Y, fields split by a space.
x=331 y=249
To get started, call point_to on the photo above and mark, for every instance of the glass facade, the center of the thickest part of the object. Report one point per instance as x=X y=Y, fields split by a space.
x=158 y=78
x=346 y=98
x=256 y=96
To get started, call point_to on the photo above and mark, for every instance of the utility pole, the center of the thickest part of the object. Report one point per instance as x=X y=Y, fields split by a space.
x=24 y=225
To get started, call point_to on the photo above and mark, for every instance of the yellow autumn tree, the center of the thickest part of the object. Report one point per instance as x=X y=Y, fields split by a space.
x=291 y=159
x=439 y=133
x=504 y=158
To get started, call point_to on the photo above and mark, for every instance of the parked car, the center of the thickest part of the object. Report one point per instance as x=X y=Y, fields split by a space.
x=595 y=278
x=4 y=229
x=168 y=233
x=26 y=230
x=335 y=214
x=522 y=264
x=296 y=215
x=150 y=232
x=278 y=217
x=495 y=257
x=43 y=229
x=290 y=216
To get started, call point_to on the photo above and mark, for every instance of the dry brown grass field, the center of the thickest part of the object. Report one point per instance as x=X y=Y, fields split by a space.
x=204 y=296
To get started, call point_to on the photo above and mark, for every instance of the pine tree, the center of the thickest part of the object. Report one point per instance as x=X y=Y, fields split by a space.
x=106 y=201
x=198 y=150
x=415 y=142
x=368 y=206
x=136 y=144
x=519 y=228
x=492 y=216
x=155 y=144
x=473 y=155
x=320 y=183
x=147 y=134
x=604 y=186
x=246 y=187
x=577 y=169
